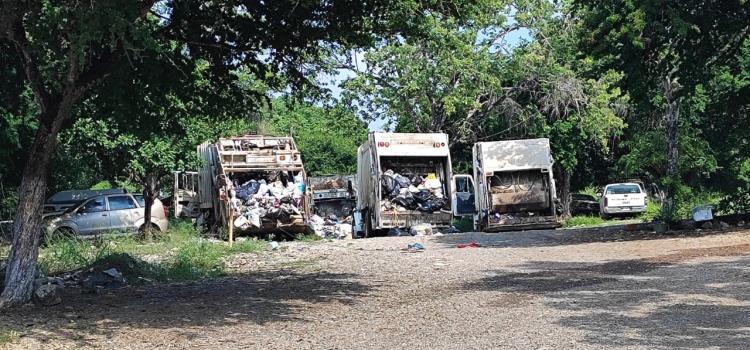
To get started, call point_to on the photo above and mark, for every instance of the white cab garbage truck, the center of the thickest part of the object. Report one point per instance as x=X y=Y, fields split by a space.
x=512 y=187
x=403 y=179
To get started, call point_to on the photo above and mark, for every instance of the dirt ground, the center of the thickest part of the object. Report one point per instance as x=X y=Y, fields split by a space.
x=564 y=289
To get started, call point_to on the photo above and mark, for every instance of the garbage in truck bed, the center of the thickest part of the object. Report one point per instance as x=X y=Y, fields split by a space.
x=332 y=227
x=422 y=193
x=269 y=197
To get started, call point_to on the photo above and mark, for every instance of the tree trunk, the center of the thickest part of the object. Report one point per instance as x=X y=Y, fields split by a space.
x=27 y=225
x=565 y=192
x=150 y=191
x=672 y=115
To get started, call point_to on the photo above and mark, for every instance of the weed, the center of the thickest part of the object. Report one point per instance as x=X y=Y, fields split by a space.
x=651 y=213
x=9 y=337
x=308 y=237
x=64 y=253
x=183 y=254
x=583 y=221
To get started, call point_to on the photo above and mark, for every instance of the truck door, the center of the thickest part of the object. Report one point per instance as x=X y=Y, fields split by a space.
x=462 y=201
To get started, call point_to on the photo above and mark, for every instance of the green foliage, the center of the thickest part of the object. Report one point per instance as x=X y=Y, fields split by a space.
x=9 y=337
x=652 y=212
x=327 y=137
x=182 y=254
x=668 y=213
x=63 y=253
x=583 y=221
x=591 y=190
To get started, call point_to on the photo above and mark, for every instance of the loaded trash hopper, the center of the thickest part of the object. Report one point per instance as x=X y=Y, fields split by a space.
x=403 y=180
x=254 y=183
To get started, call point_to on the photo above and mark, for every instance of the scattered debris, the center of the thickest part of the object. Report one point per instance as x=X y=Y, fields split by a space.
x=274 y=245
x=421 y=230
x=47 y=294
x=473 y=244
x=415 y=247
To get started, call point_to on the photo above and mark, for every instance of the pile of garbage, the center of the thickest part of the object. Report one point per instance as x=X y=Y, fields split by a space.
x=332 y=227
x=403 y=193
x=266 y=200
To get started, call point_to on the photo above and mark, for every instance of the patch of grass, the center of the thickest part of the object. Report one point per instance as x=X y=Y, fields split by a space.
x=63 y=253
x=583 y=221
x=183 y=254
x=310 y=237
x=9 y=337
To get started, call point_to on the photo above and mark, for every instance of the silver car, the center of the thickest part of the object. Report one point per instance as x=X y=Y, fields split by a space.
x=106 y=213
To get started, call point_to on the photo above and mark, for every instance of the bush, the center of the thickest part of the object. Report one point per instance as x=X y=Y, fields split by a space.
x=583 y=221
x=652 y=211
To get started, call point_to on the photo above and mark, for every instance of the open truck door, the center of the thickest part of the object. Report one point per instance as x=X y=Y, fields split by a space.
x=462 y=201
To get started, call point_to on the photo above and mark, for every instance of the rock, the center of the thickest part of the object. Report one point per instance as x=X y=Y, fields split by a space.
x=48 y=295
x=741 y=223
x=112 y=272
x=724 y=225
x=708 y=225
x=40 y=282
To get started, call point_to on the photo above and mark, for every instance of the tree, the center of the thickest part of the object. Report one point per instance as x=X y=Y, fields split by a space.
x=67 y=49
x=666 y=49
x=327 y=136
x=460 y=79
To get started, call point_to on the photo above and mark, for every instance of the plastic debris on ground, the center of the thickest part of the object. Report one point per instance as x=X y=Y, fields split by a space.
x=274 y=197
x=473 y=244
x=421 y=230
x=415 y=247
x=422 y=193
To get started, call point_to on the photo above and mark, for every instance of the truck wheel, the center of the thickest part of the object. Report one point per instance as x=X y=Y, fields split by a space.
x=367 y=227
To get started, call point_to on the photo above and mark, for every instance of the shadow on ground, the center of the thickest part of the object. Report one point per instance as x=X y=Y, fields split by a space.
x=258 y=298
x=549 y=238
x=666 y=302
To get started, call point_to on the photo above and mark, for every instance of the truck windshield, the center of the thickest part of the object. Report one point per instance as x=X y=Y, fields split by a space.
x=623 y=189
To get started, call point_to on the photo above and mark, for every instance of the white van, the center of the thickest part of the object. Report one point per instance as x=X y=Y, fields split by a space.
x=622 y=199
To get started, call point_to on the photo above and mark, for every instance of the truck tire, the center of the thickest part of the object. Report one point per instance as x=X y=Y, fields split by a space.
x=367 y=227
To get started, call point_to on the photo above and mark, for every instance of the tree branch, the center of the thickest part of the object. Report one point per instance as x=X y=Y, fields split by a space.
x=17 y=35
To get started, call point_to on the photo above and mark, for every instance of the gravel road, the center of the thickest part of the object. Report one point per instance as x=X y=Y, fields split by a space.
x=564 y=289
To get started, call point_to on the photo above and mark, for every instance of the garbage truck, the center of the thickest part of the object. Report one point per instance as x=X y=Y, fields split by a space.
x=253 y=184
x=403 y=180
x=512 y=186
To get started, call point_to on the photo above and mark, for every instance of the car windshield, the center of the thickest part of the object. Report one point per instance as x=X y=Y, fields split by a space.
x=623 y=189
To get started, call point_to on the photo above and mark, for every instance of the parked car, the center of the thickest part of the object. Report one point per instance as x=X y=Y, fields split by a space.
x=622 y=199
x=583 y=204
x=104 y=213
x=63 y=200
